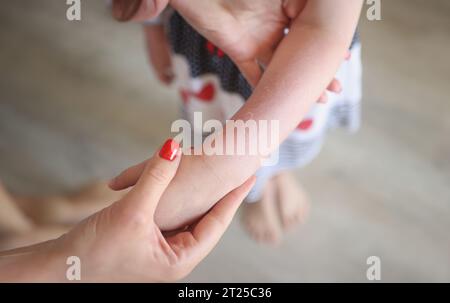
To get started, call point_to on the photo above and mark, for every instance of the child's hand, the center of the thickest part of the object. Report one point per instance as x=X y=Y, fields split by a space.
x=159 y=54
x=335 y=85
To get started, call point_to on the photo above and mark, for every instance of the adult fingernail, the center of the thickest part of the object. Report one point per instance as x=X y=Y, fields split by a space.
x=169 y=150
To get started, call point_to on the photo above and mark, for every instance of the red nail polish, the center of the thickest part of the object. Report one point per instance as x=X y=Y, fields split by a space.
x=169 y=150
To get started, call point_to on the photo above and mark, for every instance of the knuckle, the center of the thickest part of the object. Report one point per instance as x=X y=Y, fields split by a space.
x=137 y=220
x=132 y=219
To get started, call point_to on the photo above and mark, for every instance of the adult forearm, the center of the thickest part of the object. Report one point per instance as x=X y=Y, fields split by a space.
x=37 y=263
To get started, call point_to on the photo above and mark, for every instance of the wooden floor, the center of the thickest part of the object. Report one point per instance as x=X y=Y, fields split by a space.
x=78 y=102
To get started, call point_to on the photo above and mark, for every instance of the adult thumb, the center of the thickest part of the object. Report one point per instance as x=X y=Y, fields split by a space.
x=155 y=178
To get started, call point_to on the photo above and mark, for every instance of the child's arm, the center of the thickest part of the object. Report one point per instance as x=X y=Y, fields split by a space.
x=302 y=66
x=304 y=63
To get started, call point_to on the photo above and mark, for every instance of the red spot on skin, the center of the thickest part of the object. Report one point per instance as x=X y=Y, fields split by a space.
x=305 y=124
x=206 y=94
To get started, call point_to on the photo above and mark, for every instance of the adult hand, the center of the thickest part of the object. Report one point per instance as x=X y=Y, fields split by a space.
x=123 y=243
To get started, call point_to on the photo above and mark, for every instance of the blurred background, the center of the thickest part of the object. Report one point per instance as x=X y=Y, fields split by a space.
x=78 y=103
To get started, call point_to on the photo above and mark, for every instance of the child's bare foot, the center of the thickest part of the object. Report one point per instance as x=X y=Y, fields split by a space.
x=260 y=218
x=293 y=202
x=70 y=208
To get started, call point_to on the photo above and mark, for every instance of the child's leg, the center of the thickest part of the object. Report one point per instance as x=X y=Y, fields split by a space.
x=301 y=147
x=71 y=208
x=28 y=220
x=12 y=220
x=293 y=202
x=260 y=217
